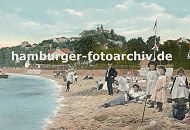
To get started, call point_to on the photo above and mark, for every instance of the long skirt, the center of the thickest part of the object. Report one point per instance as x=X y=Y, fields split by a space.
x=120 y=100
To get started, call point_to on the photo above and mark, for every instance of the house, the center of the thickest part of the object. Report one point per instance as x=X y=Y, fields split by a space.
x=26 y=44
x=34 y=45
x=60 y=40
x=71 y=39
x=60 y=51
x=181 y=40
x=101 y=29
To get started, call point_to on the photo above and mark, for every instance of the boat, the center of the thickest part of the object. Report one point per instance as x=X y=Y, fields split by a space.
x=4 y=76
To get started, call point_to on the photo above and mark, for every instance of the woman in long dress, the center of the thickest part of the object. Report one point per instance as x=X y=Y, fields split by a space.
x=134 y=95
x=159 y=92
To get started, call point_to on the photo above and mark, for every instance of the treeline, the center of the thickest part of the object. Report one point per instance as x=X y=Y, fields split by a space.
x=107 y=42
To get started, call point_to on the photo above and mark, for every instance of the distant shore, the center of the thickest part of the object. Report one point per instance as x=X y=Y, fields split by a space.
x=81 y=110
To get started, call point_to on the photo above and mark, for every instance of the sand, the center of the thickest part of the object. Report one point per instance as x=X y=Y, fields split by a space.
x=81 y=110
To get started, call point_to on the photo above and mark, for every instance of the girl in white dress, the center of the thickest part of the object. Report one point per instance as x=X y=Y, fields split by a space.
x=152 y=78
x=179 y=90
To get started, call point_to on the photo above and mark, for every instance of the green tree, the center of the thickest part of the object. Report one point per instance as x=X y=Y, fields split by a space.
x=151 y=42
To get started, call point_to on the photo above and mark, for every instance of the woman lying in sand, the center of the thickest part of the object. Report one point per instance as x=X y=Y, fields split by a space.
x=134 y=95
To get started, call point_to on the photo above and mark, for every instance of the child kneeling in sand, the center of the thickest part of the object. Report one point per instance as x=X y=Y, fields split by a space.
x=134 y=95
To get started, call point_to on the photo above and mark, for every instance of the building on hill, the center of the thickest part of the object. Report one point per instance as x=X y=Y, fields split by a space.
x=60 y=51
x=181 y=40
x=71 y=39
x=34 y=45
x=26 y=44
x=100 y=28
x=60 y=40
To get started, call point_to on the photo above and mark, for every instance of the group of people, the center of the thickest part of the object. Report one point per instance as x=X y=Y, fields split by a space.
x=156 y=89
x=155 y=92
x=156 y=86
x=135 y=94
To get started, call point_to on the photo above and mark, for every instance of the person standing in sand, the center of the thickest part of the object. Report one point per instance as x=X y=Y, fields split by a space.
x=179 y=89
x=180 y=94
x=152 y=77
x=70 y=79
x=159 y=92
x=111 y=73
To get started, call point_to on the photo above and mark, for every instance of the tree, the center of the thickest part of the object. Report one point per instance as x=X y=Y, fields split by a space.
x=85 y=45
x=179 y=53
x=151 y=42
x=137 y=45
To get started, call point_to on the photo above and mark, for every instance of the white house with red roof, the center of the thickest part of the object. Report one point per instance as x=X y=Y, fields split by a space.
x=60 y=52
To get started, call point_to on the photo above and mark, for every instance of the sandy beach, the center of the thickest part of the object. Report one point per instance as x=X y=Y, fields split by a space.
x=81 y=110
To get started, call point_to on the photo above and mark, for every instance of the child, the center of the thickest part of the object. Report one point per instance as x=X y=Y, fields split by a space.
x=68 y=86
x=180 y=94
x=99 y=84
x=159 y=92
x=152 y=77
x=179 y=90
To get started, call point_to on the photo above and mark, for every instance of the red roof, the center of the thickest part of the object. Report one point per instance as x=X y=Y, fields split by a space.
x=51 y=51
x=65 y=50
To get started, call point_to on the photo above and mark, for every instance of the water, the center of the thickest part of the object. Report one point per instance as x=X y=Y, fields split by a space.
x=26 y=102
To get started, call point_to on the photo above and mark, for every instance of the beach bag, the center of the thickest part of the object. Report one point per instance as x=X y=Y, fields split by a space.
x=179 y=111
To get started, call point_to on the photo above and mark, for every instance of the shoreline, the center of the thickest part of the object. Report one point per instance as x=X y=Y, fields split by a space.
x=58 y=101
x=80 y=110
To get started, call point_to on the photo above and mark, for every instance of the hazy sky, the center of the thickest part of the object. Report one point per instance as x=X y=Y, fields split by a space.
x=35 y=20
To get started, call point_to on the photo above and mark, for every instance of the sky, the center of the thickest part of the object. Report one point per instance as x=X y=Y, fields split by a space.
x=37 y=20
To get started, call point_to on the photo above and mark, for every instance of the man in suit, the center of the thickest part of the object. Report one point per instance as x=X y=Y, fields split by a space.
x=111 y=73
